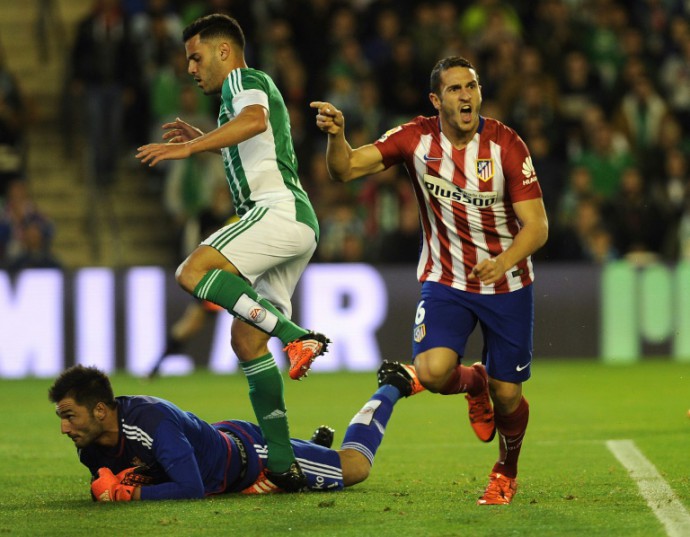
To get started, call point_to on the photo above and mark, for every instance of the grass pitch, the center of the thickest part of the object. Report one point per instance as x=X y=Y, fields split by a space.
x=428 y=472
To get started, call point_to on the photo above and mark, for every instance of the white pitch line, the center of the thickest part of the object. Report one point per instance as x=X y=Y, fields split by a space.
x=654 y=489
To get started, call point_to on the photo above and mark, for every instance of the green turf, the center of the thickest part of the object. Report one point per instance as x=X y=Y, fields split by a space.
x=428 y=472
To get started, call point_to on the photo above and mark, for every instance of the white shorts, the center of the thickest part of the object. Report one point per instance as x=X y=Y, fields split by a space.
x=270 y=249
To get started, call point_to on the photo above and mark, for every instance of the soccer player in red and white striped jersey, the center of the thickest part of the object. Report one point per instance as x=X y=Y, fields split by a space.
x=482 y=216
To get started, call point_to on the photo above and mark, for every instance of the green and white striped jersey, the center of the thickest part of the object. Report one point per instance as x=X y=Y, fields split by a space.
x=262 y=170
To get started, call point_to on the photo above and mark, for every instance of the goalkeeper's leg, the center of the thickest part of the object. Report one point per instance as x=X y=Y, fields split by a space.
x=365 y=432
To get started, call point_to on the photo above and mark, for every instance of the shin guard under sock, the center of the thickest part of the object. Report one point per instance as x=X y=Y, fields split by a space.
x=241 y=300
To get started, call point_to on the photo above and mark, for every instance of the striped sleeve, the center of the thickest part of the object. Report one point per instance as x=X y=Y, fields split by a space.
x=243 y=88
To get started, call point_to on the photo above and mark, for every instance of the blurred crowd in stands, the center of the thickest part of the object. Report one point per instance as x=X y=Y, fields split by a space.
x=598 y=89
x=25 y=232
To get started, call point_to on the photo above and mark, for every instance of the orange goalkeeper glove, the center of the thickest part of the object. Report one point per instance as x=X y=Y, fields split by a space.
x=107 y=487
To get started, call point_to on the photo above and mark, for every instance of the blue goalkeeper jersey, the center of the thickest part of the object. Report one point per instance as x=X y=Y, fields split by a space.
x=188 y=457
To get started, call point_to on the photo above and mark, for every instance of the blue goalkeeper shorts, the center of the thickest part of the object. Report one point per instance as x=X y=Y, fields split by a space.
x=320 y=465
x=446 y=317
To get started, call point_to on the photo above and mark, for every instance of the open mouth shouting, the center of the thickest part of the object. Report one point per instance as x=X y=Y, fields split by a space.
x=466 y=113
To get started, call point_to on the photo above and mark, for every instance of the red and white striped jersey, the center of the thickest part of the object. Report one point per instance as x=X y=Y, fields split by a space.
x=465 y=198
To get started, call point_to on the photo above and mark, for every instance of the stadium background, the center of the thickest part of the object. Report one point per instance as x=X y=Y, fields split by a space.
x=612 y=282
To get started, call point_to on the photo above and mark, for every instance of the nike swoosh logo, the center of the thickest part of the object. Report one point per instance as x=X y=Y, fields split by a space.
x=428 y=158
x=521 y=367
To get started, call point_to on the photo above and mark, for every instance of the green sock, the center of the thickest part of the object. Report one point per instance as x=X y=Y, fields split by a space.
x=266 y=395
x=238 y=297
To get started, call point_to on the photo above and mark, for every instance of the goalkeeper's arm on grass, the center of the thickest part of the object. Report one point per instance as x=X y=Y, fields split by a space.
x=184 y=482
x=108 y=487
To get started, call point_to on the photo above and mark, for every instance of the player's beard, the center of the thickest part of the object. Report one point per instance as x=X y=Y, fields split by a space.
x=212 y=80
x=453 y=118
x=88 y=434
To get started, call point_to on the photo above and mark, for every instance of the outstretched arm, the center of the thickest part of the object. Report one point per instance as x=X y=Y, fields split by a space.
x=251 y=121
x=185 y=482
x=179 y=131
x=344 y=163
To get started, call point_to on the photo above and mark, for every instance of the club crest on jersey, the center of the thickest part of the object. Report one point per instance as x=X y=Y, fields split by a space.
x=485 y=169
x=419 y=332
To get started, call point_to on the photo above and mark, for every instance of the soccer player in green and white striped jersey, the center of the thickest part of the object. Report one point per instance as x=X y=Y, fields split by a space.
x=250 y=267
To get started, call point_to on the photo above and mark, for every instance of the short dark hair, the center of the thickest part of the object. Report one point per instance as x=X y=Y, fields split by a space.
x=213 y=26
x=444 y=65
x=88 y=386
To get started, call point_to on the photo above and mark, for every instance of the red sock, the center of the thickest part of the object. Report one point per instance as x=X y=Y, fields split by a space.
x=511 y=430
x=463 y=379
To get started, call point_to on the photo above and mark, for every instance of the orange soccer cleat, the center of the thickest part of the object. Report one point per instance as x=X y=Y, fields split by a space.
x=500 y=490
x=303 y=351
x=292 y=480
x=262 y=485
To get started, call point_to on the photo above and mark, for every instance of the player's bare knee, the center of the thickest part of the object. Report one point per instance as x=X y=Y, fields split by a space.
x=355 y=466
x=361 y=473
x=432 y=380
x=429 y=383
x=188 y=276
x=434 y=368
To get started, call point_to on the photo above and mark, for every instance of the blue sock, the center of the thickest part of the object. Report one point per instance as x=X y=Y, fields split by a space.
x=366 y=429
x=390 y=392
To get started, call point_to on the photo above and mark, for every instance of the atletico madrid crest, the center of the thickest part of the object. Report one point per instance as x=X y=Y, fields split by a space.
x=485 y=169
x=419 y=332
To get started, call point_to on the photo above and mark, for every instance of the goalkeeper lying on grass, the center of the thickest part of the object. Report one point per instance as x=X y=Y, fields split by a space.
x=145 y=448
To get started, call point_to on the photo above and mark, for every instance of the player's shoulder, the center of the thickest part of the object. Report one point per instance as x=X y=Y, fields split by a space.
x=251 y=72
x=414 y=128
x=504 y=136
x=146 y=419
x=425 y=124
x=245 y=78
x=138 y=400
x=497 y=130
x=136 y=408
